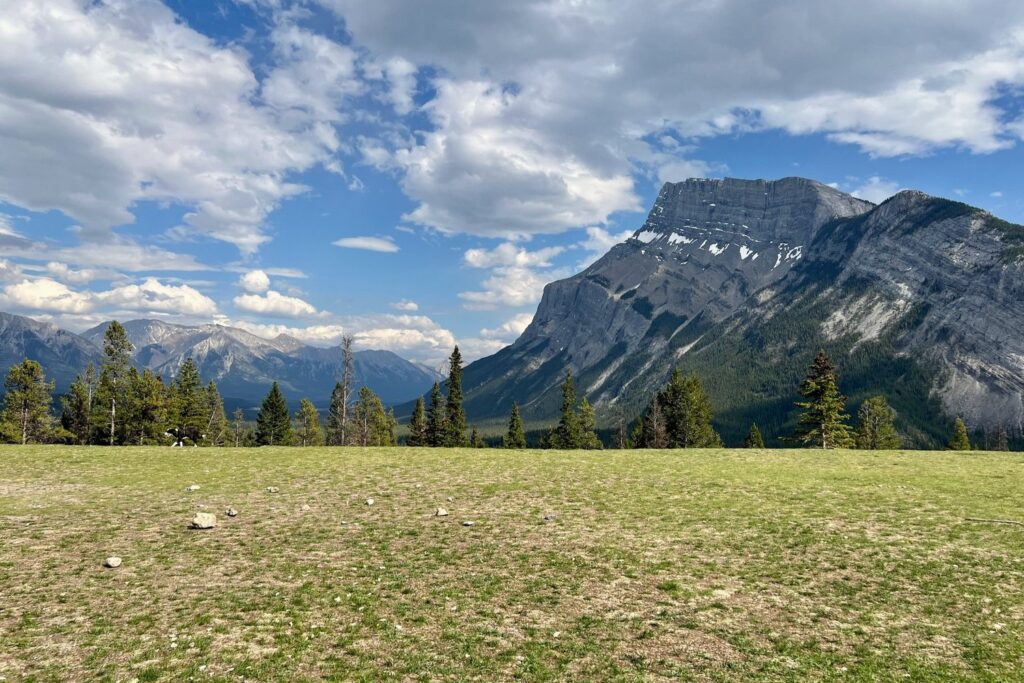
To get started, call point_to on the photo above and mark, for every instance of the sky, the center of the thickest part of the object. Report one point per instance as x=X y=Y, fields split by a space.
x=413 y=172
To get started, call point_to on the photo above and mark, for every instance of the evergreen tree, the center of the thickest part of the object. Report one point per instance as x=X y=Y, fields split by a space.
x=653 y=433
x=372 y=425
x=753 y=439
x=475 y=440
x=146 y=421
x=588 y=427
x=686 y=409
x=418 y=425
x=875 y=428
x=455 y=423
x=823 y=422
x=238 y=427
x=515 y=438
x=436 y=419
x=217 y=421
x=273 y=425
x=113 y=382
x=567 y=434
x=1002 y=439
x=76 y=406
x=960 y=440
x=189 y=410
x=341 y=398
x=26 y=407
x=621 y=439
x=307 y=423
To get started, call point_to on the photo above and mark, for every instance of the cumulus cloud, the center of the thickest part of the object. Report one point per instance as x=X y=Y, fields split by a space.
x=406 y=305
x=151 y=295
x=254 y=281
x=510 y=254
x=109 y=103
x=275 y=304
x=384 y=245
x=510 y=329
x=876 y=189
x=518 y=275
x=44 y=294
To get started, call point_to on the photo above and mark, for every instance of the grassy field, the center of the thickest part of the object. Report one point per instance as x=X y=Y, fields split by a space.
x=703 y=565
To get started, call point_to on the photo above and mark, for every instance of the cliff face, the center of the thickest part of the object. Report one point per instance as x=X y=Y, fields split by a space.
x=742 y=281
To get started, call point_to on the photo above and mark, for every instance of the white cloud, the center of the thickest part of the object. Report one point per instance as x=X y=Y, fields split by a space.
x=508 y=254
x=876 y=189
x=44 y=294
x=275 y=304
x=510 y=329
x=598 y=242
x=319 y=335
x=996 y=195
x=151 y=295
x=106 y=104
x=405 y=305
x=369 y=243
x=254 y=281
x=510 y=286
x=63 y=271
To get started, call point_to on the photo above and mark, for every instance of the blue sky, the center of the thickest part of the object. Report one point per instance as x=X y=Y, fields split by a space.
x=413 y=173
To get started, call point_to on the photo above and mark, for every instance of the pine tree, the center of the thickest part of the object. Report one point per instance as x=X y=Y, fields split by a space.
x=960 y=440
x=217 y=421
x=875 y=428
x=653 y=433
x=515 y=438
x=341 y=398
x=372 y=425
x=273 y=424
x=26 y=407
x=1002 y=439
x=621 y=439
x=753 y=439
x=307 y=423
x=455 y=424
x=475 y=440
x=823 y=422
x=238 y=427
x=113 y=383
x=567 y=434
x=145 y=422
x=76 y=406
x=436 y=418
x=686 y=409
x=189 y=411
x=588 y=427
x=418 y=425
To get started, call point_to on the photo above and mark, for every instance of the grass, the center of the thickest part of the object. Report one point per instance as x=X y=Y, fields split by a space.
x=695 y=565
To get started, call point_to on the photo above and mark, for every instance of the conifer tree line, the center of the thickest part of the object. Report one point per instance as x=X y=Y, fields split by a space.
x=116 y=404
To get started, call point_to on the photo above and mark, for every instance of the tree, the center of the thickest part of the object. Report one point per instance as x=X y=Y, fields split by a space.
x=653 y=433
x=217 y=421
x=308 y=432
x=1002 y=439
x=753 y=439
x=418 y=425
x=113 y=383
x=76 y=406
x=273 y=424
x=455 y=424
x=189 y=409
x=515 y=438
x=875 y=428
x=621 y=439
x=567 y=433
x=238 y=426
x=147 y=417
x=26 y=408
x=960 y=440
x=341 y=397
x=823 y=422
x=475 y=440
x=587 y=427
x=436 y=419
x=373 y=426
x=687 y=413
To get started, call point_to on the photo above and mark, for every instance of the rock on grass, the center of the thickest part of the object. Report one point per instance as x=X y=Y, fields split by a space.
x=204 y=520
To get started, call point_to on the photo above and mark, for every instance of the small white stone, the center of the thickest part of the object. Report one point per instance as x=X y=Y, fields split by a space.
x=193 y=488
x=113 y=562
x=272 y=489
x=231 y=512
x=306 y=508
x=370 y=501
x=468 y=523
x=441 y=512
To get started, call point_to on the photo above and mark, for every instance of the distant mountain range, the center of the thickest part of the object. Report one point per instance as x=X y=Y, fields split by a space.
x=742 y=281
x=242 y=364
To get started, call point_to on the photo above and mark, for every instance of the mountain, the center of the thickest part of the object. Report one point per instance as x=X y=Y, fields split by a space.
x=244 y=365
x=742 y=281
x=62 y=354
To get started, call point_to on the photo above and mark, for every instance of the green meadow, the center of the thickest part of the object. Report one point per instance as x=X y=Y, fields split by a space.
x=718 y=565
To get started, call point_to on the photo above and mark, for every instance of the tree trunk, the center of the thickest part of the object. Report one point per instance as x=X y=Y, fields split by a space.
x=113 y=413
x=24 y=425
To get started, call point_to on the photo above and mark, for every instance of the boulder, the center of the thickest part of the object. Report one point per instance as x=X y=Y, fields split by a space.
x=204 y=520
x=112 y=562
